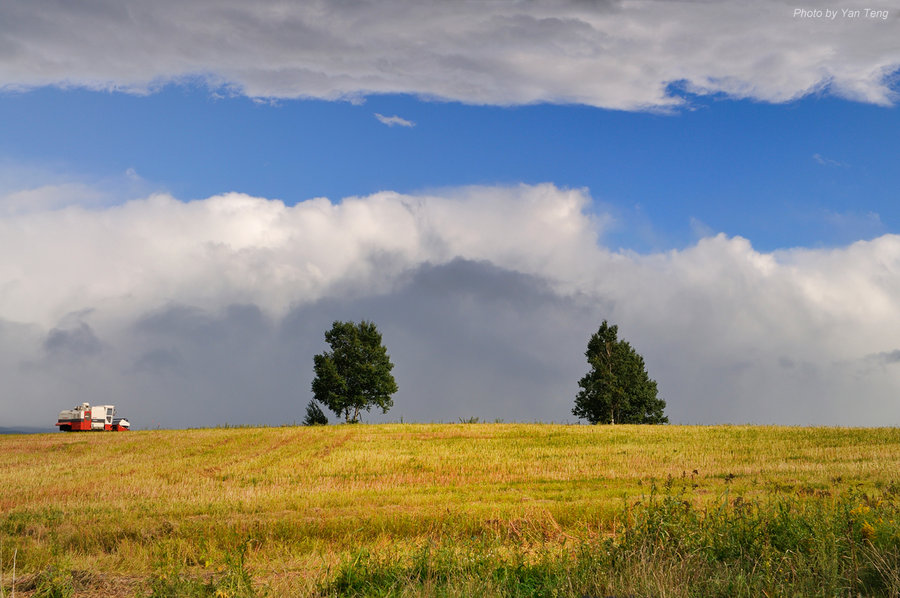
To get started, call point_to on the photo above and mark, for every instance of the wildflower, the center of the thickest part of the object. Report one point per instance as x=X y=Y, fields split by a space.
x=868 y=532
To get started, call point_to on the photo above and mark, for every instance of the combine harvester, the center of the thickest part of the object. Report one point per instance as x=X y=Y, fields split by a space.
x=85 y=418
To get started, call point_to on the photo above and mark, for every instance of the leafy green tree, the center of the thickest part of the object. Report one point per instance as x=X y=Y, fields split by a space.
x=617 y=389
x=356 y=374
x=314 y=415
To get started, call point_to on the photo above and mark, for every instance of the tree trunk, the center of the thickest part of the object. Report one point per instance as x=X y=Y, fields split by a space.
x=612 y=408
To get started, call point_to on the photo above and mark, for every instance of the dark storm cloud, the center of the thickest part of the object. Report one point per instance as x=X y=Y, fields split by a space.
x=196 y=325
x=160 y=362
x=887 y=358
x=72 y=342
x=470 y=339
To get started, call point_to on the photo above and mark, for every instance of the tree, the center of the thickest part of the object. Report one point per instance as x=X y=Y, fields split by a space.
x=356 y=374
x=617 y=389
x=314 y=415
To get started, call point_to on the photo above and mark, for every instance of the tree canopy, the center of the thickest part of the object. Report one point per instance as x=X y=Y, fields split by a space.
x=356 y=374
x=314 y=415
x=617 y=389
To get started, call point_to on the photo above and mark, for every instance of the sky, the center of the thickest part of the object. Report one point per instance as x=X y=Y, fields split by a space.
x=191 y=192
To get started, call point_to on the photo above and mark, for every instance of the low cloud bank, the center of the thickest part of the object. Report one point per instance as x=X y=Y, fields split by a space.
x=206 y=312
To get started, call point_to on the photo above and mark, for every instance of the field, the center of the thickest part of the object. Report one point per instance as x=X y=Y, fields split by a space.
x=455 y=510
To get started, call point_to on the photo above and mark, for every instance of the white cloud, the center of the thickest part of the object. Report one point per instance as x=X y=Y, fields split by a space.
x=853 y=225
x=819 y=158
x=615 y=54
x=25 y=188
x=236 y=249
x=392 y=121
x=486 y=296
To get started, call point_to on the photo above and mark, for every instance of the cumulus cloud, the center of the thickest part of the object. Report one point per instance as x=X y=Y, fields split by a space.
x=188 y=313
x=394 y=121
x=621 y=54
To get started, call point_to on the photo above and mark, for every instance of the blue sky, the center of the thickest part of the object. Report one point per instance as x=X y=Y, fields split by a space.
x=191 y=192
x=812 y=172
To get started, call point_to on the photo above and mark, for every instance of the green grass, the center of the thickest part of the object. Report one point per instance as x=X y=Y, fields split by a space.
x=460 y=509
x=668 y=547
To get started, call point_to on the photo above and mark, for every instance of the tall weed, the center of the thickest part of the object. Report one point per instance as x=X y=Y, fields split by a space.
x=668 y=544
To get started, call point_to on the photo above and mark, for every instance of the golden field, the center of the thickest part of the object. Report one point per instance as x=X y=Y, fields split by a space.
x=119 y=508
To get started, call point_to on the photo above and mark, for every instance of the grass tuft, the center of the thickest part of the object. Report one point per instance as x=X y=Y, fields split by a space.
x=232 y=580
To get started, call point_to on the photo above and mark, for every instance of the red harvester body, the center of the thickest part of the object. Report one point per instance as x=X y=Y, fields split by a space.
x=85 y=418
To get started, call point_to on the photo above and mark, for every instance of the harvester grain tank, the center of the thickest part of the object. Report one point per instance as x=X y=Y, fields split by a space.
x=84 y=418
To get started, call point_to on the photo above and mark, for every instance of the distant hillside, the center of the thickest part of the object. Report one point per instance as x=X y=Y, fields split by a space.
x=25 y=430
